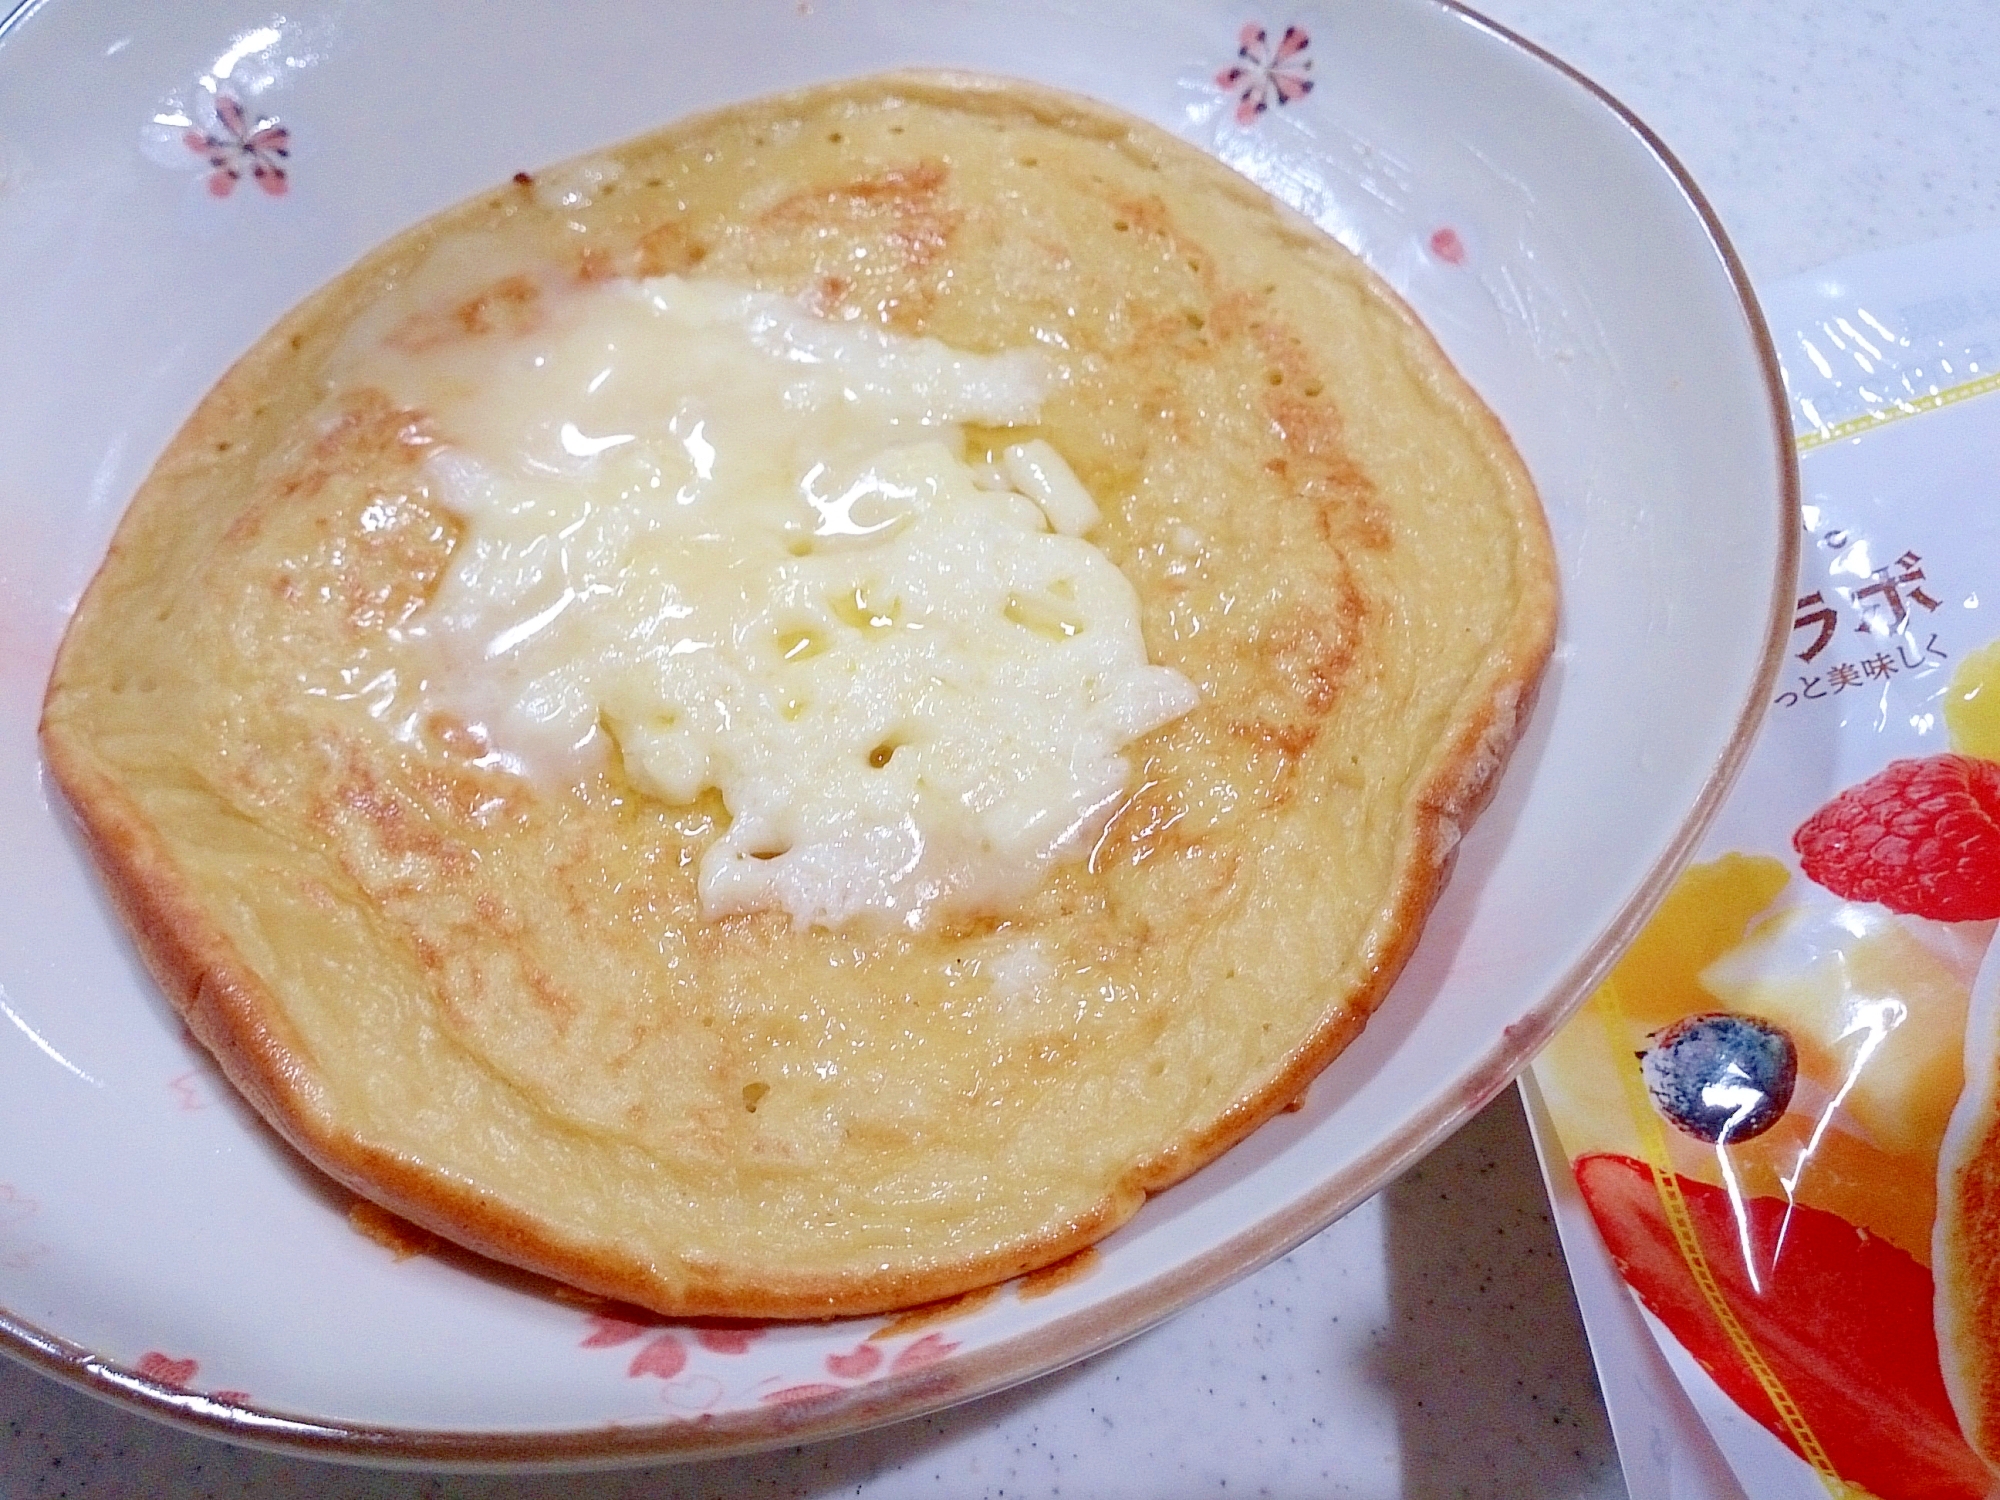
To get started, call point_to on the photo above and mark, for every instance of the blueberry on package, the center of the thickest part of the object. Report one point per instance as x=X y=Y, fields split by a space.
x=1782 y=1108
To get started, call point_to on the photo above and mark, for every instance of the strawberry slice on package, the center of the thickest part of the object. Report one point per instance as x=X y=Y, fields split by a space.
x=1781 y=1111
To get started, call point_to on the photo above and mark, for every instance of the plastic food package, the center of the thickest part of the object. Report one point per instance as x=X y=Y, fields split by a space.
x=1782 y=1108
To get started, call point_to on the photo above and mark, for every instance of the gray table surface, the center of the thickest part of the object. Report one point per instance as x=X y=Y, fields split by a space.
x=1427 y=1345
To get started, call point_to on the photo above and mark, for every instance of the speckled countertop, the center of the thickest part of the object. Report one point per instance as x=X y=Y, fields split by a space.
x=1427 y=1345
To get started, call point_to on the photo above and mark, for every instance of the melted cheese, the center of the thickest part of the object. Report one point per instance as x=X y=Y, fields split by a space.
x=739 y=543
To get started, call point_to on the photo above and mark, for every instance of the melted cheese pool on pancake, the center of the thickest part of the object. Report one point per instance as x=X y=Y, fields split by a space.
x=741 y=540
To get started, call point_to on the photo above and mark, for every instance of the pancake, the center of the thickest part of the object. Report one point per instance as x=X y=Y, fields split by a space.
x=491 y=998
x=1965 y=1239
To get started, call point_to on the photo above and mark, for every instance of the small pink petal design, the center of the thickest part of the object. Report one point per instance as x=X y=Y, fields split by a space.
x=187 y=1091
x=727 y=1340
x=1447 y=246
x=857 y=1364
x=812 y=1391
x=927 y=1350
x=258 y=148
x=665 y=1357
x=1264 y=73
x=607 y=1332
x=166 y=1369
x=230 y=1398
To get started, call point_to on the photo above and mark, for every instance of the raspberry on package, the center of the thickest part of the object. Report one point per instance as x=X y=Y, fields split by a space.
x=1919 y=836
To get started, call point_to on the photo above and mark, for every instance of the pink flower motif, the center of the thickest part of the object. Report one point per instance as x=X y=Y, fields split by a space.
x=818 y=1390
x=1447 y=246
x=167 y=1370
x=187 y=1090
x=857 y=1363
x=242 y=146
x=719 y=1340
x=607 y=1332
x=927 y=1350
x=1263 y=75
x=665 y=1357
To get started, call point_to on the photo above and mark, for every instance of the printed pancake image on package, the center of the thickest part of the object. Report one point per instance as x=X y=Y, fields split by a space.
x=788 y=719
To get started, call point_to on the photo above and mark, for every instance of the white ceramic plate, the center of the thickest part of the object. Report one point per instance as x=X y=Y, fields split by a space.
x=158 y=1247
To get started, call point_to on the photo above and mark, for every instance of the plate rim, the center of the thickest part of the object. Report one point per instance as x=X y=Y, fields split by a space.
x=1092 y=1329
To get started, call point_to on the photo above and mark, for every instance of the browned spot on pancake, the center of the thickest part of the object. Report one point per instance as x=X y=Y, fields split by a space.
x=367 y=817
x=1136 y=830
x=1057 y=1275
x=550 y=996
x=1312 y=653
x=1203 y=875
x=827 y=294
x=900 y=212
x=317 y=895
x=1313 y=462
x=372 y=435
x=509 y=307
x=667 y=250
x=390 y=559
x=1307 y=653
x=457 y=738
x=1235 y=314
x=933 y=1313
x=1290 y=740
x=1316 y=465
x=899 y=184
x=1318 y=469
x=1145 y=215
x=469 y=796
x=504 y=974
x=1180 y=336
x=399 y=1237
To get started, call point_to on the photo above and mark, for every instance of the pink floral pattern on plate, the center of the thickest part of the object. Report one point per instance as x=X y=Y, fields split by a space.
x=664 y=1355
x=180 y=1373
x=1446 y=245
x=186 y=1089
x=1265 y=73
x=242 y=145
